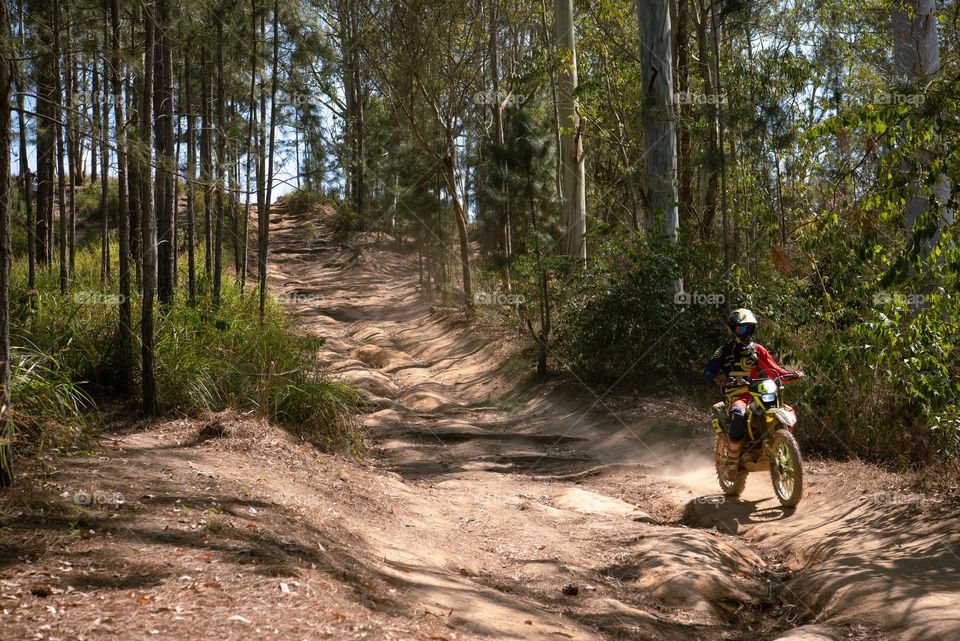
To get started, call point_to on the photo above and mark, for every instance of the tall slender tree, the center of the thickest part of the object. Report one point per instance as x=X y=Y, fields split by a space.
x=124 y=329
x=7 y=57
x=166 y=164
x=147 y=224
x=250 y=156
x=659 y=126
x=25 y=174
x=102 y=146
x=571 y=149
x=263 y=226
x=916 y=58
x=191 y=180
x=221 y=165
x=58 y=111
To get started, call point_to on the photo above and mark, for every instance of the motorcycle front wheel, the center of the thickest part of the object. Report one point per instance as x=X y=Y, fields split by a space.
x=734 y=487
x=786 y=468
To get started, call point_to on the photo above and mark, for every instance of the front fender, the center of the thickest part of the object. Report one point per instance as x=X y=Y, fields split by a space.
x=785 y=416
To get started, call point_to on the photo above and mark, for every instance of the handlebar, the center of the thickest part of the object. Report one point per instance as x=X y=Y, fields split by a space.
x=740 y=381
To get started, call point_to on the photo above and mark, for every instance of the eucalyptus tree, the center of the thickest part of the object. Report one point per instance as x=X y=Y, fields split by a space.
x=659 y=128
x=427 y=59
x=571 y=145
x=916 y=57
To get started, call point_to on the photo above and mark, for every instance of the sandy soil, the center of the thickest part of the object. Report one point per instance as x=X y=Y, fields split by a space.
x=487 y=507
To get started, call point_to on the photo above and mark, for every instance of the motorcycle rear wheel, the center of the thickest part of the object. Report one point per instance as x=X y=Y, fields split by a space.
x=734 y=487
x=786 y=468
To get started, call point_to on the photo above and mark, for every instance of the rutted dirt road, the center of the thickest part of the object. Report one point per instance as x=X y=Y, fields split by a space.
x=486 y=508
x=512 y=494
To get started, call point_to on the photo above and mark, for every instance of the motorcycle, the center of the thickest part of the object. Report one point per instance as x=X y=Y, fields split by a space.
x=769 y=444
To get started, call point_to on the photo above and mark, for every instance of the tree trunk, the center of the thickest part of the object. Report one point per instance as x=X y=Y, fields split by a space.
x=46 y=151
x=721 y=146
x=659 y=130
x=7 y=56
x=149 y=246
x=220 y=167
x=26 y=176
x=249 y=143
x=125 y=331
x=496 y=106
x=61 y=151
x=235 y=210
x=711 y=166
x=450 y=178
x=73 y=161
x=135 y=169
x=191 y=183
x=102 y=120
x=163 y=102
x=206 y=160
x=916 y=57
x=263 y=227
x=96 y=130
x=175 y=178
x=684 y=160
x=574 y=181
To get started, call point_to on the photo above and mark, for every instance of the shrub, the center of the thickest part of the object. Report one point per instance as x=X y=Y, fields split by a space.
x=621 y=317
x=303 y=202
x=48 y=407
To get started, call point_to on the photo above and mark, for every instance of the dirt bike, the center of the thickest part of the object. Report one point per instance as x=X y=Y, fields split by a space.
x=769 y=444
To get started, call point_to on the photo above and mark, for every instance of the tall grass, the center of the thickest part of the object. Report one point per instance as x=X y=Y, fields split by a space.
x=209 y=356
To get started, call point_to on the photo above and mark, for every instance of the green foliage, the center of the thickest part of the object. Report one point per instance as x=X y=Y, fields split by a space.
x=303 y=201
x=88 y=200
x=208 y=357
x=216 y=356
x=48 y=406
x=621 y=318
x=347 y=220
x=887 y=386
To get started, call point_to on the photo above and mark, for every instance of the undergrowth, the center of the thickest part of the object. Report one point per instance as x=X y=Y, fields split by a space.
x=209 y=356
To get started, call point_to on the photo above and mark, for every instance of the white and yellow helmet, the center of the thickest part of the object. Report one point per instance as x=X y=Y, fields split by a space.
x=742 y=323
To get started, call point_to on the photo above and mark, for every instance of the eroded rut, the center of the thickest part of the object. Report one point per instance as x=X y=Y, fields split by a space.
x=519 y=497
x=488 y=507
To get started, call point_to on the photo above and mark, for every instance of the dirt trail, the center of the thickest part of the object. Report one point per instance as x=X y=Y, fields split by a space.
x=486 y=509
x=513 y=494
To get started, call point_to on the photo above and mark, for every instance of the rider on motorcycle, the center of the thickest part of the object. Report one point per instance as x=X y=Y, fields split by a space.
x=740 y=357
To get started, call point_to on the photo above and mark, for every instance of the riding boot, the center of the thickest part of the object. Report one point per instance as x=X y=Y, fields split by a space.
x=733 y=460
